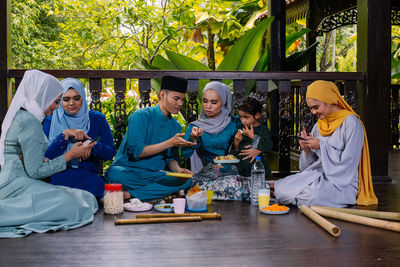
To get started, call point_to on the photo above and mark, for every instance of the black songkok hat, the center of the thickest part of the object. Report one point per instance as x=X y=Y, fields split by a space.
x=173 y=83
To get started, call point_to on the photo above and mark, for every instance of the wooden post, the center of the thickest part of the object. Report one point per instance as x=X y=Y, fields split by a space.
x=373 y=58
x=5 y=54
x=312 y=35
x=277 y=41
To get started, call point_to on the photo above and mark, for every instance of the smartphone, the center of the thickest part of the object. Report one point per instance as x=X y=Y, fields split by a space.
x=98 y=138
x=297 y=137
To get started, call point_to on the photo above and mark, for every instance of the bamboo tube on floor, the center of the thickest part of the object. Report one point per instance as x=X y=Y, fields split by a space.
x=158 y=220
x=205 y=216
x=393 y=226
x=368 y=213
x=324 y=223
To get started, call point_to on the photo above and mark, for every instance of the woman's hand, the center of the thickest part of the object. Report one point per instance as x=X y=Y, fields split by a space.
x=238 y=139
x=78 y=150
x=303 y=143
x=88 y=144
x=250 y=153
x=75 y=133
x=312 y=143
x=196 y=133
x=249 y=132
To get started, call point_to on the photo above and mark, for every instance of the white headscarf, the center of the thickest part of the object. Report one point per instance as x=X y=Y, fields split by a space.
x=218 y=124
x=36 y=92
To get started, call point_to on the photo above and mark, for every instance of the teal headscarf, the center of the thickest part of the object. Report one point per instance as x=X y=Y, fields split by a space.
x=63 y=120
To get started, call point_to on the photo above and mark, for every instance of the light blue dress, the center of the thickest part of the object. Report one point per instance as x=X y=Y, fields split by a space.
x=141 y=177
x=27 y=204
x=329 y=175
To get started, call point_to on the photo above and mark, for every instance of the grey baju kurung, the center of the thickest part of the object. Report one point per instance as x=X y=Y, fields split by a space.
x=329 y=175
x=27 y=204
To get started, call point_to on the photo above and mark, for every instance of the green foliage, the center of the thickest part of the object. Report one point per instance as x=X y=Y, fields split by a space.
x=31 y=27
x=244 y=54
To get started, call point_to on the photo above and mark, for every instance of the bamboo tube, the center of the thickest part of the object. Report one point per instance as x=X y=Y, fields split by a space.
x=393 y=226
x=214 y=215
x=324 y=223
x=368 y=213
x=158 y=220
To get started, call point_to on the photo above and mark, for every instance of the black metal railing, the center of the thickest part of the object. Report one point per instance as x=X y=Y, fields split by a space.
x=287 y=109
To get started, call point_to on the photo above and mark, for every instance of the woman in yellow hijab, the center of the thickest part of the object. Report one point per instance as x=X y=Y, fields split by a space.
x=335 y=157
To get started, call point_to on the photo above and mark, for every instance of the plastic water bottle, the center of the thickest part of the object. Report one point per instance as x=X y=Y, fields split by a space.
x=257 y=180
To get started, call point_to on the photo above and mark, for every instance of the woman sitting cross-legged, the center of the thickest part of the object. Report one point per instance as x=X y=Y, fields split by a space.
x=334 y=159
x=28 y=204
x=214 y=133
x=72 y=122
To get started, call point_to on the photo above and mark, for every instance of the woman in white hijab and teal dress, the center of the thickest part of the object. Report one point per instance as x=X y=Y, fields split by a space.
x=214 y=133
x=28 y=204
x=72 y=122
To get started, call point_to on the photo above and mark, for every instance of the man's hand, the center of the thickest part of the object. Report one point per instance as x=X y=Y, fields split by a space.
x=183 y=170
x=177 y=140
x=250 y=153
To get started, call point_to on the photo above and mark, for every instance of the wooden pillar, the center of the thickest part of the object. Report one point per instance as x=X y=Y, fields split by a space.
x=5 y=53
x=373 y=58
x=312 y=36
x=277 y=42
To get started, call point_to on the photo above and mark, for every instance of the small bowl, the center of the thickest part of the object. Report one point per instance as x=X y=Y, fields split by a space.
x=197 y=201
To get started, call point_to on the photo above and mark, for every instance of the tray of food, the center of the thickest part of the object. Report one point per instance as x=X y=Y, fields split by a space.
x=229 y=159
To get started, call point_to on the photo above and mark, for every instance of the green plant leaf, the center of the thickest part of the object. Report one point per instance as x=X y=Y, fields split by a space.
x=298 y=60
x=244 y=54
x=163 y=63
x=182 y=62
x=290 y=39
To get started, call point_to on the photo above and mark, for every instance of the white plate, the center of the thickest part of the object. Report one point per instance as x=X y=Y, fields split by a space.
x=274 y=212
x=130 y=207
x=226 y=161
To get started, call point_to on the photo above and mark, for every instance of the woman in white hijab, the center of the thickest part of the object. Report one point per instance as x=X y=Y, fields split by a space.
x=28 y=204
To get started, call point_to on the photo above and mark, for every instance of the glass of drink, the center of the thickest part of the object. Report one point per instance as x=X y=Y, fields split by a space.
x=263 y=198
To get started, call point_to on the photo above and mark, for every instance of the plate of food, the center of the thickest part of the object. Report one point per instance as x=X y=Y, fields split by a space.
x=179 y=175
x=229 y=159
x=167 y=207
x=137 y=205
x=274 y=209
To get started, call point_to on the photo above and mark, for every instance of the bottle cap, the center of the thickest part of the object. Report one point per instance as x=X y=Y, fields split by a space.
x=113 y=187
x=258 y=158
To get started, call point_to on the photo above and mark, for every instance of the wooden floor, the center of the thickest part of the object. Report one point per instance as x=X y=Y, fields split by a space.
x=243 y=237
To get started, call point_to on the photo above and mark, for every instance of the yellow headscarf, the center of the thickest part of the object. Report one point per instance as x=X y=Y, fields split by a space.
x=327 y=92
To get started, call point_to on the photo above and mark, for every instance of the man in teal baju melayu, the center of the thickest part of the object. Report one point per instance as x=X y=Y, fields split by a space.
x=150 y=144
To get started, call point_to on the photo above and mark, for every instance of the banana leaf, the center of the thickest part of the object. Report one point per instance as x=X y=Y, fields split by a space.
x=243 y=55
x=290 y=39
x=298 y=60
x=182 y=62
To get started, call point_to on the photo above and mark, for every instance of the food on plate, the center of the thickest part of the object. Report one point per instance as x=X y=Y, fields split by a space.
x=193 y=190
x=166 y=206
x=227 y=157
x=275 y=207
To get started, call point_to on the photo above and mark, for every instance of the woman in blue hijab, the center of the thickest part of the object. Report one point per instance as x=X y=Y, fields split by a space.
x=72 y=122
